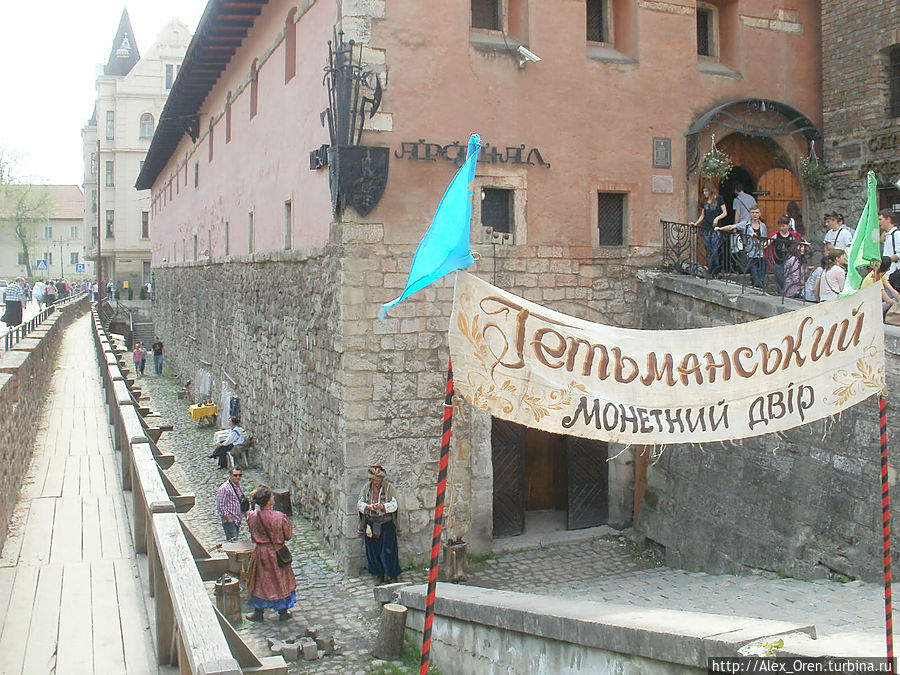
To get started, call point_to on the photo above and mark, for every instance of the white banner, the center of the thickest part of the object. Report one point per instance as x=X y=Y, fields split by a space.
x=528 y=364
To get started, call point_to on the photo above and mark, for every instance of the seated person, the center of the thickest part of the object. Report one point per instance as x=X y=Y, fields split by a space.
x=235 y=437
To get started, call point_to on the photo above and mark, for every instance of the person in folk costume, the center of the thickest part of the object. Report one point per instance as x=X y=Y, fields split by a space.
x=377 y=506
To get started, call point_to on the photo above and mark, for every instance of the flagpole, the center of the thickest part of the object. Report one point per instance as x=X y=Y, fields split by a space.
x=886 y=531
x=438 y=521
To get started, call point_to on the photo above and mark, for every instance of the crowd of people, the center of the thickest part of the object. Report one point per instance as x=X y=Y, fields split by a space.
x=18 y=294
x=753 y=249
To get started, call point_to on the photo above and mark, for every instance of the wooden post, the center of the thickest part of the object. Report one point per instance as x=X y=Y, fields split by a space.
x=389 y=644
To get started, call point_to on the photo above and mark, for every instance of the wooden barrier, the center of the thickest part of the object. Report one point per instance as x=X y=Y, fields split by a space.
x=189 y=632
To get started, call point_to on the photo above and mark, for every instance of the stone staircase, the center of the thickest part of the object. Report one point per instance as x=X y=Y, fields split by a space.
x=143 y=332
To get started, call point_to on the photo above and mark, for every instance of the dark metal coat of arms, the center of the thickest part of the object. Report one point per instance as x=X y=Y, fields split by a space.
x=357 y=173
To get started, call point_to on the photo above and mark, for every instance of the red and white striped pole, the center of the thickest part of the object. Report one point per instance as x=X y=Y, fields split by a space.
x=438 y=521
x=886 y=532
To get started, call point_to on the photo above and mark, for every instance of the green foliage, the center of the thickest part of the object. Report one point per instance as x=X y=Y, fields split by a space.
x=409 y=662
x=813 y=172
x=771 y=648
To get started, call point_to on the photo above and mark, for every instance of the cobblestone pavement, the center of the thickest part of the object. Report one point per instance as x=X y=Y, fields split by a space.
x=605 y=569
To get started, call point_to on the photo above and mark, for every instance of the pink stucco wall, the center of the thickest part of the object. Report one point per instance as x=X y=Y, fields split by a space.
x=593 y=119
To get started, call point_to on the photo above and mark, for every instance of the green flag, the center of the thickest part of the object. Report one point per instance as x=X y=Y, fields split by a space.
x=866 y=246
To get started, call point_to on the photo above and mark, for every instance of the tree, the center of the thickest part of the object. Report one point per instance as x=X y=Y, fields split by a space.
x=22 y=205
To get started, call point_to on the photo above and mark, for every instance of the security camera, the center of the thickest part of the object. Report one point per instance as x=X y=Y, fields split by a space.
x=526 y=56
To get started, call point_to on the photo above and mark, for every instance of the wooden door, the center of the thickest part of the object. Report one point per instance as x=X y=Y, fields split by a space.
x=545 y=470
x=507 y=452
x=777 y=188
x=588 y=488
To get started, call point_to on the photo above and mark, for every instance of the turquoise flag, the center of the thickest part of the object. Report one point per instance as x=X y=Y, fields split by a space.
x=866 y=245
x=445 y=246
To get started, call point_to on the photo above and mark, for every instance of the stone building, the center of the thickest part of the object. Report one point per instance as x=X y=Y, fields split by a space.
x=52 y=218
x=131 y=91
x=861 y=103
x=288 y=209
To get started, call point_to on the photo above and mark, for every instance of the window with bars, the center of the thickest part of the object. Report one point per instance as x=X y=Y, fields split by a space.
x=487 y=14
x=597 y=20
x=497 y=209
x=611 y=218
x=894 y=82
x=706 y=33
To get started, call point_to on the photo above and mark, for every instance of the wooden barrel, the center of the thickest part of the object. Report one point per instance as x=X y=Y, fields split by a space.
x=228 y=598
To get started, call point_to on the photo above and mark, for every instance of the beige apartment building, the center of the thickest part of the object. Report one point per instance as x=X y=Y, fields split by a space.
x=131 y=92
x=51 y=243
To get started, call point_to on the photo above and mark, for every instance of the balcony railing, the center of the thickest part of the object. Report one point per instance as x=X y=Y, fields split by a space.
x=737 y=258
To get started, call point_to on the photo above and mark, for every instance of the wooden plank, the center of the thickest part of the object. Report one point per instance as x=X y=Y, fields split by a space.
x=74 y=652
x=65 y=536
x=14 y=637
x=96 y=484
x=91 y=543
x=107 y=631
x=71 y=486
x=137 y=644
x=36 y=545
x=56 y=476
x=114 y=537
x=7 y=579
x=40 y=653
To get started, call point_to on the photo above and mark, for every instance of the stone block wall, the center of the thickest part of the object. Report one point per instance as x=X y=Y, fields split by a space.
x=328 y=388
x=805 y=503
x=859 y=135
x=25 y=373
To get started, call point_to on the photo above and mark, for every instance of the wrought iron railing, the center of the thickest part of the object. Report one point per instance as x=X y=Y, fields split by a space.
x=736 y=258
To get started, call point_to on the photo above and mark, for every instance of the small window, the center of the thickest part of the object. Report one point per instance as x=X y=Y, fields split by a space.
x=228 y=118
x=611 y=218
x=290 y=46
x=487 y=14
x=146 y=130
x=195 y=246
x=170 y=75
x=48 y=232
x=22 y=259
x=597 y=20
x=497 y=209
x=250 y=232
x=73 y=232
x=110 y=224
x=110 y=173
x=227 y=238
x=288 y=225
x=93 y=201
x=894 y=81
x=145 y=224
x=196 y=174
x=93 y=163
x=706 y=31
x=254 y=89
x=73 y=258
x=210 y=139
x=48 y=256
x=110 y=125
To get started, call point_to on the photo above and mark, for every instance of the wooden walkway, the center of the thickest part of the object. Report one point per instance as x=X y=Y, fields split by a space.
x=70 y=594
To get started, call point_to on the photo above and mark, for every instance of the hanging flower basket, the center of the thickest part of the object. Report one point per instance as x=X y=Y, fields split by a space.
x=813 y=170
x=715 y=163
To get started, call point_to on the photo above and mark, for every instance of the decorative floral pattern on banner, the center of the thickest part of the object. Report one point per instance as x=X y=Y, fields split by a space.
x=532 y=365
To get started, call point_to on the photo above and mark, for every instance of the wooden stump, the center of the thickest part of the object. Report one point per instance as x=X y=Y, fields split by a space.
x=389 y=643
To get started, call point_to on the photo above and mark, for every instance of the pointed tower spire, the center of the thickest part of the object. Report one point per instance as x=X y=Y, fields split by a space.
x=124 y=53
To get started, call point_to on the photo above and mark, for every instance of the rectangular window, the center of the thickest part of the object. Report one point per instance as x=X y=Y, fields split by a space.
x=487 y=14
x=110 y=224
x=93 y=163
x=170 y=75
x=597 y=20
x=48 y=256
x=196 y=174
x=611 y=218
x=227 y=238
x=21 y=259
x=250 y=232
x=497 y=209
x=110 y=173
x=145 y=224
x=73 y=258
x=254 y=90
x=73 y=232
x=228 y=118
x=93 y=201
x=211 y=139
x=195 y=247
x=894 y=82
x=290 y=47
x=288 y=224
x=48 y=232
x=706 y=33
x=110 y=124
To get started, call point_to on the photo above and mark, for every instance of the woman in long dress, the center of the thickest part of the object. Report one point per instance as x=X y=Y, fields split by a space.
x=377 y=506
x=269 y=586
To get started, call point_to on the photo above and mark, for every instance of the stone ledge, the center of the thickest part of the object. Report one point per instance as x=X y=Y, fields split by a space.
x=685 y=638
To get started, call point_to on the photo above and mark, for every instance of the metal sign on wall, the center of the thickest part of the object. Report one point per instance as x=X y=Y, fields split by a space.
x=540 y=368
x=456 y=152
